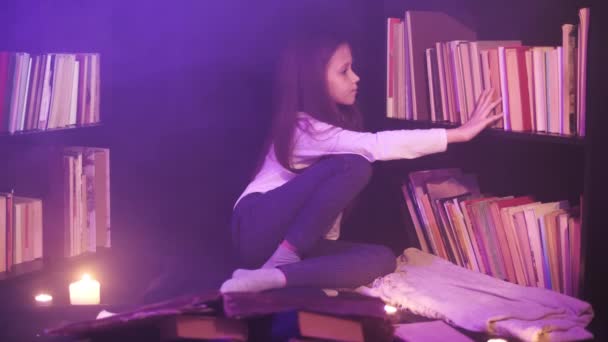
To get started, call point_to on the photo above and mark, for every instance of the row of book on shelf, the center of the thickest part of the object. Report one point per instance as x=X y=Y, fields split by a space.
x=437 y=70
x=25 y=229
x=514 y=238
x=48 y=91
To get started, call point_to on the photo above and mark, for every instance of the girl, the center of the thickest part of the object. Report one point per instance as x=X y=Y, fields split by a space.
x=316 y=161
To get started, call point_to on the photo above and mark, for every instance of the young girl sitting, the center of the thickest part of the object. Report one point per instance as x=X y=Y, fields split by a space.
x=316 y=161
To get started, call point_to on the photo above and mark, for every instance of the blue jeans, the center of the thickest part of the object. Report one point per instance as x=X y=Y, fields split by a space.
x=302 y=211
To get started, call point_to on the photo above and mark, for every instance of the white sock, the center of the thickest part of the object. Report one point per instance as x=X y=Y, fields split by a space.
x=254 y=280
x=241 y=272
x=284 y=254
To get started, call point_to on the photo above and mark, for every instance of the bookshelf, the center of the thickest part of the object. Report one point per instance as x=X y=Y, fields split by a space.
x=56 y=197
x=447 y=99
x=547 y=166
x=33 y=155
x=183 y=94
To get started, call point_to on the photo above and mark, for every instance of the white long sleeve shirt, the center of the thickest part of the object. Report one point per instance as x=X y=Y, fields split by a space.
x=314 y=139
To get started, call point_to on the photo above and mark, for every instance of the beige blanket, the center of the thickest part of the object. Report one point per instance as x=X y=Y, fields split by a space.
x=433 y=287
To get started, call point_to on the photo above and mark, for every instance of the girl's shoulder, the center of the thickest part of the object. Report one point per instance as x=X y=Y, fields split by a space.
x=304 y=116
x=309 y=125
x=305 y=121
x=309 y=120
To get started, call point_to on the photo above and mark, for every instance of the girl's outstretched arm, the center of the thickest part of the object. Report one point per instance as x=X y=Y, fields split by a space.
x=314 y=138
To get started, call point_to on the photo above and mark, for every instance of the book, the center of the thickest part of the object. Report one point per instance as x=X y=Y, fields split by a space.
x=111 y=324
x=511 y=238
x=422 y=29
x=431 y=331
x=244 y=305
x=202 y=327
x=306 y=325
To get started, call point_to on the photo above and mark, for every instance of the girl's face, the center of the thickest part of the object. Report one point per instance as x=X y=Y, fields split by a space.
x=341 y=79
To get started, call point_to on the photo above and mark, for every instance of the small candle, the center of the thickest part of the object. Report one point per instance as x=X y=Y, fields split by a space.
x=389 y=309
x=44 y=299
x=84 y=291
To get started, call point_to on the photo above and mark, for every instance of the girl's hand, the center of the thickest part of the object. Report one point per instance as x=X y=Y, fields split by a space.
x=479 y=120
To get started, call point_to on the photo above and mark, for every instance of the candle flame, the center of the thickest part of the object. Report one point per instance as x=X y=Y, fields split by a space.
x=86 y=277
x=390 y=309
x=43 y=297
x=497 y=340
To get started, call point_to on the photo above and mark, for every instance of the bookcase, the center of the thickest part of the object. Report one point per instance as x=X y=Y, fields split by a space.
x=436 y=67
x=33 y=161
x=548 y=167
x=185 y=103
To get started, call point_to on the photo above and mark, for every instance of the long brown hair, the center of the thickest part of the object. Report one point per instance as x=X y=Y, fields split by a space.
x=301 y=86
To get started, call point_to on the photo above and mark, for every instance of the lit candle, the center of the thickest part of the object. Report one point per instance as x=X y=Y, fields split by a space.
x=84 y=291
x=389 y=309
x=44 y=299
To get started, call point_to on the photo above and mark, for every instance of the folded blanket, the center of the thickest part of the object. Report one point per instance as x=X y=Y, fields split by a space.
x=433 y=287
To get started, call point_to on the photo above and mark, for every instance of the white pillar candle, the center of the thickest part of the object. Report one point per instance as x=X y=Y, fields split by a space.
x=84 y=291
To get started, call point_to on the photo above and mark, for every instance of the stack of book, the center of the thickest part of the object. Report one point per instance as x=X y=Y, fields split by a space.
x=437 y=69
x=20 y=230
x=48 y=91
x=514 y=238
x=277 y=315
x=59 y=205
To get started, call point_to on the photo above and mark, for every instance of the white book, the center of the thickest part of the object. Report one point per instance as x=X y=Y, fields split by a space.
x=74 y=95
x=45 y=101
x=24 y=90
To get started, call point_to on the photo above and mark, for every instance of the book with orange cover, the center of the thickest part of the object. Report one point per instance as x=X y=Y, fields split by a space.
x=505 y=236
x=477 y=234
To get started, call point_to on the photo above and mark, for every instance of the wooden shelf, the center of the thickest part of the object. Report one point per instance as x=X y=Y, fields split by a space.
x=48 y=131
x=23 y=268
x=44 y=265
x=541 y=137
x=91 y=133
x=29 y=322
